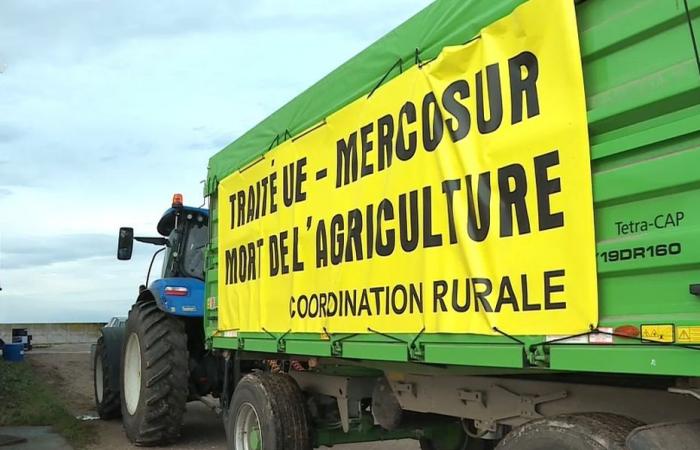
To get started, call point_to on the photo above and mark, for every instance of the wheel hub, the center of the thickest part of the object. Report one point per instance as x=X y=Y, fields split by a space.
x=132 y=373
x=99 y=380
x=247 y=431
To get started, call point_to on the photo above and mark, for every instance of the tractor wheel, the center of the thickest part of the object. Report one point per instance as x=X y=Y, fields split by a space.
x=106 y=386
x=267 y=413
x=154 y=377
x=591 y=431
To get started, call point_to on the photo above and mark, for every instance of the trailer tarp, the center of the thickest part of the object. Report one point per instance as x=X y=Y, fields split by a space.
x=455 y=199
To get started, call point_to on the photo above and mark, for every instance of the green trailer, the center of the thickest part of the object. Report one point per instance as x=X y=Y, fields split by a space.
x=631 y=376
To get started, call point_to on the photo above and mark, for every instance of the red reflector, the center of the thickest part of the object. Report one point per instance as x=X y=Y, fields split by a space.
x=176 y=291
x=627 y=330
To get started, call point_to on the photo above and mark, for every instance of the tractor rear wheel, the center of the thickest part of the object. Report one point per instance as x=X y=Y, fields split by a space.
x=154 y=377
x=106 y=385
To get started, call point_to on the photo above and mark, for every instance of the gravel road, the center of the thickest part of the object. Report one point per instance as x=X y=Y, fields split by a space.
x=68 y=368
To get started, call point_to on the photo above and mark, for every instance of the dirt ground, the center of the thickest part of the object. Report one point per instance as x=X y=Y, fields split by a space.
x=68 y=369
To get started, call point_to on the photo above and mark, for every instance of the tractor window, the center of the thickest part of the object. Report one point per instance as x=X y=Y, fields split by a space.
x=169 y=267
x=197 y=238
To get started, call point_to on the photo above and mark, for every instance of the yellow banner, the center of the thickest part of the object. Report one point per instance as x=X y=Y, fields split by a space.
x=456 y=198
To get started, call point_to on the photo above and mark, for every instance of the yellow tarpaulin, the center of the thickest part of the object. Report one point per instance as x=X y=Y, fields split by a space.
x=456 y=198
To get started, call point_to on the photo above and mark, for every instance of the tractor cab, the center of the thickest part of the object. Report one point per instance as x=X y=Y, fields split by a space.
x=184 y=233
x=187 y=232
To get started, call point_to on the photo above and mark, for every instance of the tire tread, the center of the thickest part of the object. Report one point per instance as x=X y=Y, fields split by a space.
x=164 y=376
x=284 y=409
x=110 y=407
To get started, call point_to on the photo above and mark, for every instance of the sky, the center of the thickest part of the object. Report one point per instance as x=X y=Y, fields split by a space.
x=107 y=108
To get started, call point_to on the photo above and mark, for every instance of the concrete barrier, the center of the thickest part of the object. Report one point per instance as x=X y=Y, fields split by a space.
x=55 y=333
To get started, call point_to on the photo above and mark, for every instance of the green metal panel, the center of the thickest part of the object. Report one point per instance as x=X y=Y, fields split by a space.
x=497 y=355
x=315 y=347
x=261 y=344
x=642 y=83
x=643 y=90
x=386 y=351
x=225 y=343
x=652 y=360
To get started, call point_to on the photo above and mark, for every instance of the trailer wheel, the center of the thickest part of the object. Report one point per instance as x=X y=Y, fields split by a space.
x=106 y=386
x=154 y=375
x=267 y=413
x=591 y=431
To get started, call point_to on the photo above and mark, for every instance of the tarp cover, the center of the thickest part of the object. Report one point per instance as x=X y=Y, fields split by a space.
x=442 y=23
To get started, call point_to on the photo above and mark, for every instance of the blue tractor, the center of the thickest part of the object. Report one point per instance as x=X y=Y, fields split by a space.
x=146 y=370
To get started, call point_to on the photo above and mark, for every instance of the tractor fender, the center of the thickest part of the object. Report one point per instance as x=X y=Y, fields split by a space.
x=113 y=338
x=146 y=295
x=151 y=295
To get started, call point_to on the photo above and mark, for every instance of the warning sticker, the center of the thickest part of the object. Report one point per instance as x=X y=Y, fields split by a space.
x=657 y=333
x=688 y=335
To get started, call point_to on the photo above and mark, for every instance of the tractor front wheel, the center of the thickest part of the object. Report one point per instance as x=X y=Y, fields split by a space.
x=105 y=383
x=154 y=377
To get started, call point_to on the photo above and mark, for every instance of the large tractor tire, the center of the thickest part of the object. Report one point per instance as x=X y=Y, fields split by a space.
x=267 y=413
x=154 y=380
x=106 y=381
x=590 y=431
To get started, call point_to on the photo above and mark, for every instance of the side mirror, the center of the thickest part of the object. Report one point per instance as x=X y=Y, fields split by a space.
x=126 y=243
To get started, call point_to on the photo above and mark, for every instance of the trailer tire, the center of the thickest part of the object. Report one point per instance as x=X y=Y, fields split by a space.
x=106 y=386
x=267 y=412
x=589 y=431
x=154 y=375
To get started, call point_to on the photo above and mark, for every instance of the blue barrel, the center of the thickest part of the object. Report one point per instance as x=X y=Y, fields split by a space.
x=13 y=352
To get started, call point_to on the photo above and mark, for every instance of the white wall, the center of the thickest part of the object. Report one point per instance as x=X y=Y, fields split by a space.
x=55 y=333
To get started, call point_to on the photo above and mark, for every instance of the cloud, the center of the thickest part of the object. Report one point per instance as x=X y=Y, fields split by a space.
x=83 y=29
x=8 y=134
x=108 y=108
x=25 y=252
x=86 y=290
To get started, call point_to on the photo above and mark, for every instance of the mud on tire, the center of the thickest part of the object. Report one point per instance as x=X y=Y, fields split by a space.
x=154 y=375
x=106 y=386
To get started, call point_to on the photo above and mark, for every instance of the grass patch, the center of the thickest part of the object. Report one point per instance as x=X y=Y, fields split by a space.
x=26 y=401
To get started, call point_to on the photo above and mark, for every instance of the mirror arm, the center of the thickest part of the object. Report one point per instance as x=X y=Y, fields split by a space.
x=152 y=240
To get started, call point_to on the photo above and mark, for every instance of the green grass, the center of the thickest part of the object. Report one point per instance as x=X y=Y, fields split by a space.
x=26 y=401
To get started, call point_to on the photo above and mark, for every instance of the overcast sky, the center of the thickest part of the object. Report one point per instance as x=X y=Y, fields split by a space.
x=109 y=107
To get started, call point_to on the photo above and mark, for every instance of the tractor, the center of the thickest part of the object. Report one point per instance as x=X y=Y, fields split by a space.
x=147 y=370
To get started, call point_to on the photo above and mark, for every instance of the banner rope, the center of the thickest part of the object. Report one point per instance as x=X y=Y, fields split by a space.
x=398 y=63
